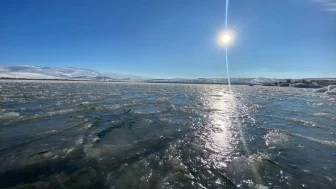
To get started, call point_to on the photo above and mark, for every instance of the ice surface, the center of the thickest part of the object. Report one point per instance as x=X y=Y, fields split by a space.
x=321 y=90
x=139 y=135
x=9 y=115
x=331 y=87
x=277 y=140
x=331 y=92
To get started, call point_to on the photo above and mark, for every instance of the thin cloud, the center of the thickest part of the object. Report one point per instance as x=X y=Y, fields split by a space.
x=322 y=1
x=329 y=5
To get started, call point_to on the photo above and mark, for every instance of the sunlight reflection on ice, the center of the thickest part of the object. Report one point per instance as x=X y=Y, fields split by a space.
x=222 y=138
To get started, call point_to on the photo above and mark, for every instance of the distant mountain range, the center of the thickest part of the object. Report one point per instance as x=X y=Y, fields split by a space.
x=236 y=81
x=37 y=72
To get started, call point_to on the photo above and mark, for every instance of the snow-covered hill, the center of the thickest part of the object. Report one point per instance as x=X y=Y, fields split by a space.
x=37 y=72
x=261 y=80
x=235 y=81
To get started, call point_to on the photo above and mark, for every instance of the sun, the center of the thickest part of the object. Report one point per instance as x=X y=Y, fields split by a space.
x=226 y=38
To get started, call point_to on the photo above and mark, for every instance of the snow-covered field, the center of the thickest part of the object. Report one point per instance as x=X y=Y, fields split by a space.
x=37 y=72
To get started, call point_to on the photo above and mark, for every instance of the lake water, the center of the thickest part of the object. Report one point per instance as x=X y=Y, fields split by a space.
x=124 y=135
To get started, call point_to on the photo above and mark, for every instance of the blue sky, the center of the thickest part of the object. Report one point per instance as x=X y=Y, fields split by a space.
x=175 y=38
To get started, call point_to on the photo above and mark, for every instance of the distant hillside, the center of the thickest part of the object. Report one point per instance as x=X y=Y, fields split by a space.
x=236 y=81
x=37 y=72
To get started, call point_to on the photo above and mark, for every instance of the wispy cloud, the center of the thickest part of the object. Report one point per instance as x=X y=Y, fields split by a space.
x=330 y=9
x=329 y=5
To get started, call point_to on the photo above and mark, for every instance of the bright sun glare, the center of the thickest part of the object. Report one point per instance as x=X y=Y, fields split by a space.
x=226 y=38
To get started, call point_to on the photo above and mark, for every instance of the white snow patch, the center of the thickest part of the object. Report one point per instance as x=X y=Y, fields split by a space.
x=277 y=140
x=322 y=90
x=261 y=80
x=9 y=115
x=331 y=92
x=331 y=87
